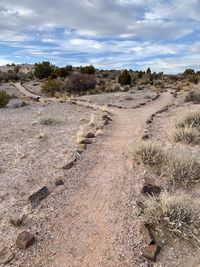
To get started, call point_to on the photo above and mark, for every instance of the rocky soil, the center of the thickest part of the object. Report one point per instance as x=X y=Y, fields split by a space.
x=85 y=212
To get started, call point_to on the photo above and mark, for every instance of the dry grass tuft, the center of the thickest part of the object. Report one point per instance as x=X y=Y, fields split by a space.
x=182 y=170
x=188 y=135
x=150 y=154
x=194 y=96
x=79 y=135
x=48 y=121
x=172 y=217
x=188 y=129
x=190 y=120
x=99 y=132
x=92 y=121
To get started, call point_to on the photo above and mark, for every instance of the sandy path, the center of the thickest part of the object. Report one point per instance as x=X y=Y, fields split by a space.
x=24 y=91
x=90 y=219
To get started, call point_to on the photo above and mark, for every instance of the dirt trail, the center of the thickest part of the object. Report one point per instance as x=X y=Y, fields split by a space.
x=93 y=215
x=24 y=91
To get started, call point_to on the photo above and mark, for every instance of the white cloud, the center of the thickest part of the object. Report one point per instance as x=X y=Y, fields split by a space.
x=110 y=33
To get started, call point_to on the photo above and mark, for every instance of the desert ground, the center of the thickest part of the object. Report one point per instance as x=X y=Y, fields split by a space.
x=81 y=149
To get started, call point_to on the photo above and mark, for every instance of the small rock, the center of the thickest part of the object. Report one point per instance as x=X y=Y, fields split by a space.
x=151 y=252
x=106 y=117
x=151 y=189
x=86 y=141
x=147 y=234
x=149 y=121
x=17 y=219
x=90 y=135
x=6 y=255
x=106 y=122
x=59 y=182
x=68 y=165
x=25 y=240
x=36 y=198
x=145 y=136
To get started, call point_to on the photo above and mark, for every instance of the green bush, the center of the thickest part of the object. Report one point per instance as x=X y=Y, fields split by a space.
x=51 y=86
x=189 y=72
x=124 y=78
x=43 y=70
x=4 y=99
x=88 y=69
x=62 y=72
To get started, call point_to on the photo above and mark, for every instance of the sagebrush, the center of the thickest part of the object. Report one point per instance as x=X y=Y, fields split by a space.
x=173 y=217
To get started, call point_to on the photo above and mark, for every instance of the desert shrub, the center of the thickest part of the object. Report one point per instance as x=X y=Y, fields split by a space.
x=124 y=78
x=61 y=72
x=150 y=154
x=188 y=135
x=182 y=170
x=16 y=69
x=4 y=99
x=80 y=83
x=189 y=72
x=87 y=69
x=193 y=78
x=172 y=217
x=43 y=70
x=194 y=96
x=51 y=86
x=47 y=121
x=148 y=71
x=11 y=75
x=20 y=105
x=190 y=120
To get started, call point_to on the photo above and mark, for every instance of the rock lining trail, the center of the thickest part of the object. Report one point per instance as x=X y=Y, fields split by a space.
x=96 y=222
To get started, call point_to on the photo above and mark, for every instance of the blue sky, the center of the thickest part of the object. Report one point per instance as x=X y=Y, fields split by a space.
x=160 y=34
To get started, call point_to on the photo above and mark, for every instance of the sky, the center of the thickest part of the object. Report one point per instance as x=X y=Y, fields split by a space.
x=110 y=34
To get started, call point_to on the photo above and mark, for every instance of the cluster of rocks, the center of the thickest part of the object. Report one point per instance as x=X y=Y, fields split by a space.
x=24 y=240
x=151 y=249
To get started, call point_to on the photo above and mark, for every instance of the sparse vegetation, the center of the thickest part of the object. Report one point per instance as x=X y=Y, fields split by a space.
x=4 y=99
x=172 y=217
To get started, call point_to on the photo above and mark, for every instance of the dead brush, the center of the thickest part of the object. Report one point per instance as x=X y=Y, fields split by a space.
x=172 y=217
x=182 y=170
x=150 y=154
